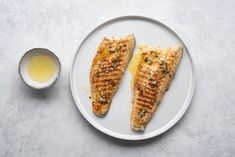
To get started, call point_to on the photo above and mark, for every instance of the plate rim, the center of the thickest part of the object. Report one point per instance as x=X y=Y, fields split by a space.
x=168 y=125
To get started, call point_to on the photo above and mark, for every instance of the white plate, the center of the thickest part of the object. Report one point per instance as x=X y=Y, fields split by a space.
x=117 y=122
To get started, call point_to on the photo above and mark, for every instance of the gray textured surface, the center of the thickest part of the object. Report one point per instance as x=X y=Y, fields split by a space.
x=48 y=123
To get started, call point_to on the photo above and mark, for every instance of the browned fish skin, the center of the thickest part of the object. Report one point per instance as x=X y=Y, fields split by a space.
x=155 y=72
x=107 y=70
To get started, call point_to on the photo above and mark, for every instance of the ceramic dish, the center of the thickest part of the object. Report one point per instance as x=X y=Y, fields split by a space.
x=23 y=68
x=117 y=122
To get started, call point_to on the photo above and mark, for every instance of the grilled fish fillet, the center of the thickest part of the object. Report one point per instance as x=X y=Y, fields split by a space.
x=107 y=70
x=155 y=70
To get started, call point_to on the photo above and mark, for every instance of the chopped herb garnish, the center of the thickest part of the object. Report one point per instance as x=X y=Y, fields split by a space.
x=143 y=113
x=103 y=101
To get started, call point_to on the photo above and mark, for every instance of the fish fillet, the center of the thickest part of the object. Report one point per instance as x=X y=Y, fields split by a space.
x=107 y=70
x=155 y=70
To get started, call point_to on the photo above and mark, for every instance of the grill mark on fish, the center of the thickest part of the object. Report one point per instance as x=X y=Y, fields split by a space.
x=107 y=73
x=143 y=93
x=145 y=100
x=107 y=81
x=142 y=104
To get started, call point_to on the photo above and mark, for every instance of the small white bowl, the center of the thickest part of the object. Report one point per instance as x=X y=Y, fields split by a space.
x=23 y=68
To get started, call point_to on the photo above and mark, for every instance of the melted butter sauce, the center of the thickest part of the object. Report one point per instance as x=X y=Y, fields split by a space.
x=134 y=64
x=41 y=68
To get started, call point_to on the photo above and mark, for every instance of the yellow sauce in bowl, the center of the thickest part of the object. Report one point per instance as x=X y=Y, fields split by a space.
x=41 y=68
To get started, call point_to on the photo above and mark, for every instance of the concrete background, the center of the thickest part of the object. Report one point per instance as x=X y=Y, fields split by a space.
x=48 y=123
